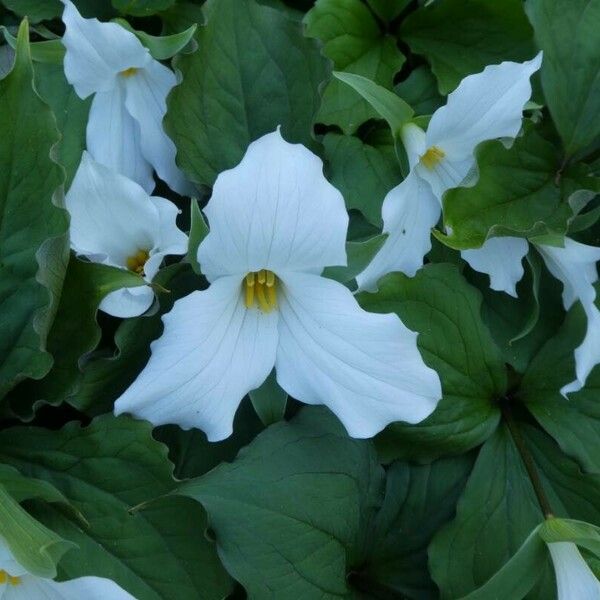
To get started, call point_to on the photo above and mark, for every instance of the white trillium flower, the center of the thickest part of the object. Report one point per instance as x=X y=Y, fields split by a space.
x=484 y=106
x=17 y=584
x=124 y=130
x=115 y=222
x=575 y=266
x=275 y=223
x=574 y=578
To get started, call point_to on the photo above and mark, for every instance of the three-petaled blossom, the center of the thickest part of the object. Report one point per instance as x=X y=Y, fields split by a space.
x=16 y=583
x=275 y=223
x=485 y=106
x=574 y=578
x=124 y=129
x=115 y=222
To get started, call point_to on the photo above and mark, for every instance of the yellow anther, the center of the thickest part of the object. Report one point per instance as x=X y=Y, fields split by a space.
x=3 y=577
x=432 y=157
x=261 y=290
x=129 y=72
x=6 y=578
x=136 y=262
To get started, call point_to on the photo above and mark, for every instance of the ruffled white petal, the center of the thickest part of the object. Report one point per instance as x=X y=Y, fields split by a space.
x=128 y=302
x=365 y=367
x=485 y=106
x=83 y=588
x=97 y=52
x=114 y=139
x=415 y=144
x=146 y=101
x=574 y=578
x=111 y=216
x=212 y=353
x=502 y=259
x=276 y=211
x=447 y=174
x=409 y=212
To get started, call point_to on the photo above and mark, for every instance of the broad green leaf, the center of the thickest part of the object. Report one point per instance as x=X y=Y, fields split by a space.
x=419 y=89
x=388 y=105
x=567 y=32
x=569 y=530
x=516 y=578
x=48 y=51
x=445 y=311
x=515 y=194
x=460 y=37
x=33 y=243
x=181 y=16
x=388 y=10
x=360 y=254
x=35 y=10
x=269 y=400
x=106 y=377
x=419 y=499
x=198 y=231
x=499 y=509
x=34 y=546
x=104 y=470
x=74 y=333
x=575 y=422
x=354 y=41
x=71 y=114
x=142 y=8
x=165 y=46
x=253 y=71
x=291 y=512
x=363 y=172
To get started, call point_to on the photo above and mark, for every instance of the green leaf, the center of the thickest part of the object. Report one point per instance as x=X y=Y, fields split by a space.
x=516 y=578
x=74 y=333
x=363 y=172
x=33 y=242
x=269 y=400
x=253 y=71
x=35 y=10
x=388 y=105
x=515 y=195
x=291 y=512
x=360 y=254
x=49 y=51
x=445 y=311
x=165 y=46
x=142 y=8
x=198 y=231
x=388 y=10
x=460 y=37
x=573 y=423
x=70 y=111
x=353 y=40
x=418 y=501
x=419 y=89
x=104 y=470
x=569 y=530
x=567 y=33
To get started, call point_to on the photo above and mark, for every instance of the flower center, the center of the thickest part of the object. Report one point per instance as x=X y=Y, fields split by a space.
x=261 y=290
x=432 y=157
x=137 y=261
x=6 y=578
x=129 y=72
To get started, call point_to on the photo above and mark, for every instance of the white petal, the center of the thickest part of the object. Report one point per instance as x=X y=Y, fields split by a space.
x=502 y=259
x=146 y=95
x=274 y=211
x=574 y=578
x=97 y=52
x=575 y=266
x=409 y=212
x=8 y=562
x=110 y=215
x=128 y=302
x=414 y=140
x=365 y=367
x=212 y=353
x=485 y=106
x=587 y=355
x=446 y=174
x=88 y=588
x=114 y=139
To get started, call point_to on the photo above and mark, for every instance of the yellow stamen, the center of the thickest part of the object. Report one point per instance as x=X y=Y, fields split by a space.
x=129 y=72
x=432 y=157
x=6 y=578
x=136 y=262
x=261 y=290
